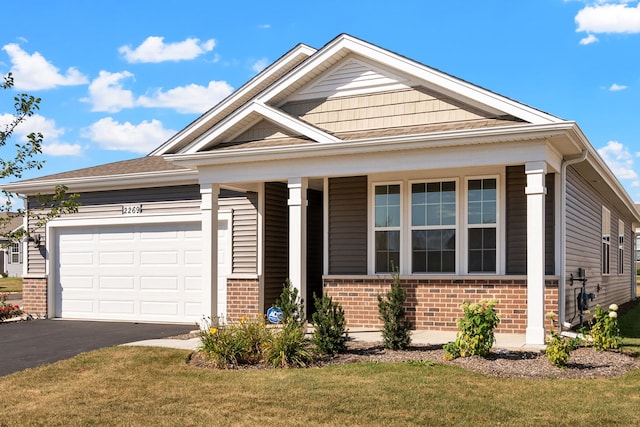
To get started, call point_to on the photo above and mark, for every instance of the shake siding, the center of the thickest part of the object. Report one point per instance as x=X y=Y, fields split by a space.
x=276 y=241
x=584 y=237
x=264 y=129
x=348 y=225
x=406 y=107
x=516 y=222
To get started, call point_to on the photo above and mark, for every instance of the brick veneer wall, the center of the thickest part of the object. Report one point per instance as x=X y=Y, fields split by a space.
x=243 y=298
x=434 y=304
x=34 y=295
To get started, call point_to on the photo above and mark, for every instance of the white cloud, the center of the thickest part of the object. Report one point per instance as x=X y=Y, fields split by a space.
x=588 y=40
x=140 y=138
x=106 y=93
x=188 y=99
x=616 y=87
x=260 y=65
x=34 y=72
x=619 y=159
x=264 y=26
x=153 y=49
x=608 y=17
x=52 y=144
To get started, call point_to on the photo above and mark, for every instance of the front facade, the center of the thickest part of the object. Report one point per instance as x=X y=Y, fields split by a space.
x=334 y=168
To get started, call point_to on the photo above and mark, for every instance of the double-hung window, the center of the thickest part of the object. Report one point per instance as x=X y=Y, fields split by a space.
x=606 y=240
x=433 y=227
x=620 y=247
x=15 y=253
x=482 y=220
x=387 y=227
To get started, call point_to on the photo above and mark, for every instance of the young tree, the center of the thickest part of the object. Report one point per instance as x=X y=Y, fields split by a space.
x=25 y=157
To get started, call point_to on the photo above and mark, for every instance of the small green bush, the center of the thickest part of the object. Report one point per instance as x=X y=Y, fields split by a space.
x=288 y=347
x=396 y=334
x=235 y=344
x=291 y=304
x=475 y=330
x=559 y=349
x=605 y=333
x=329 y=326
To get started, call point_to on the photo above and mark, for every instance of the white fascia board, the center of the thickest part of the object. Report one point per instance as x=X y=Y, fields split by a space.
x=284 y=62
x=282 y=119
x=107 y=182
x=449 y=85
x=363 y=147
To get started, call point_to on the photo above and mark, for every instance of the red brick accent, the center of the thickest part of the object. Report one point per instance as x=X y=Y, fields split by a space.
x=243 y=298
x=434 y=304
x=34 y=295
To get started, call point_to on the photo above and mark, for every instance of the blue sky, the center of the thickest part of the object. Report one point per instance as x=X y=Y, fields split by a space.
x=119 y=77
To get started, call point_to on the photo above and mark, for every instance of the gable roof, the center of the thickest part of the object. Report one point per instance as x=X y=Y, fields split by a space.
x=350 y=66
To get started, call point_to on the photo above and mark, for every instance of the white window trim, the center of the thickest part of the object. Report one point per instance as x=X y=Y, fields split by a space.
x=461 y=224
x=456 y=226
x=620 y=264
x=499 y=226
x=372 y=229
x=605 y=240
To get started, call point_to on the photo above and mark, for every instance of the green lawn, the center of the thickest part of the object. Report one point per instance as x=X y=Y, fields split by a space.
x=10 y=284
x=153 y=386
x=139 y=386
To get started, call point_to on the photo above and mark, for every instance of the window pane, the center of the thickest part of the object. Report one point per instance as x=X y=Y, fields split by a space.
x=418 y=216
x=419 y=240
x=489 y=212
x=434 y=240
x=449 y=240
x=393 y=216
x=475 y=238
x=448 y=262
x=418 y=194
x=419 y=262
x=482 y=250
x=434 y=262
x=448 y=214
x=387 y=250
x=433 y=215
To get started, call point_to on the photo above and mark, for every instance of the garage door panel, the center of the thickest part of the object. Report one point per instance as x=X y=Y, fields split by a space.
x=151 y=283
x=138 y=272
x=116 y=282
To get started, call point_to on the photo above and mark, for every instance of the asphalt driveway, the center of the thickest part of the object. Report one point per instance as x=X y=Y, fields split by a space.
x=33 y=343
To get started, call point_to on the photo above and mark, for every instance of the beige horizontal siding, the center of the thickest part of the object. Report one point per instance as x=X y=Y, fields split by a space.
x=404 y=107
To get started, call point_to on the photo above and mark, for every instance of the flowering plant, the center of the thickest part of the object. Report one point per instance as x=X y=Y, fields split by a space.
x=605 y=333
x=7 y=311
x=475 y=335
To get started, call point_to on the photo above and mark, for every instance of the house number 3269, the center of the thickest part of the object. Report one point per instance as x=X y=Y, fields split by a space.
x=131 y=209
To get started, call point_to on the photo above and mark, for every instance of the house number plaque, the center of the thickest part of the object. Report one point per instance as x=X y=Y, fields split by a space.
x=131 y=209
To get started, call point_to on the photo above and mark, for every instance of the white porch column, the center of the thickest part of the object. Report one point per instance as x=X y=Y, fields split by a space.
x=535 y=191
x=298 y=235
x=209 y=208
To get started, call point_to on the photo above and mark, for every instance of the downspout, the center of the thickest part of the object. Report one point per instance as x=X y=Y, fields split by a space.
x=25 y=245
x=563 y=240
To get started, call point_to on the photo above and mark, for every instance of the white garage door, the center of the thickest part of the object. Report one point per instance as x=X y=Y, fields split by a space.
x=131 y=272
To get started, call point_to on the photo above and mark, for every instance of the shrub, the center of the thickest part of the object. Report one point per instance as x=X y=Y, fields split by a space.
x=605 y=333
x=7 y=311
x=288 y=347
x=291 y=304
x=396 y=333
x=233 y=345
x=475 y=335
x=329 y=333
x=559 y=349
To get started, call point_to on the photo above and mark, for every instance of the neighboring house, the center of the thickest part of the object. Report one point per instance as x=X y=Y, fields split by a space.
x=11 y=253
x=332 y=167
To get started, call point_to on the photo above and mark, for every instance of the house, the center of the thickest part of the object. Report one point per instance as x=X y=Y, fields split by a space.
x=11 y=252
x=332 y=167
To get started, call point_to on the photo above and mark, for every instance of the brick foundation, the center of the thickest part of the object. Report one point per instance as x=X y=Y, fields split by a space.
x=34 y=295
x=434 y=304
x=243 y=298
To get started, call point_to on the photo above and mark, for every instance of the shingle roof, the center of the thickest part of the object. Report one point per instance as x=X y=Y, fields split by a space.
x=125 y=167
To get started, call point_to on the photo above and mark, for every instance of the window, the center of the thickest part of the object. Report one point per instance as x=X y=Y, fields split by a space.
x=482 y=208
x=15 y=253
x=387 y=228
x=433 y=227
x=606 y=239
x=620 y=247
